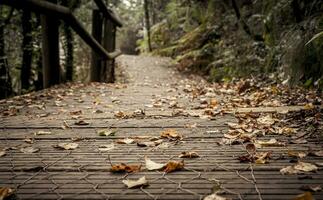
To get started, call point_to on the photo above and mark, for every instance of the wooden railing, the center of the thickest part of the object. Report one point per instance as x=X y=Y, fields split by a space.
x=104 y=24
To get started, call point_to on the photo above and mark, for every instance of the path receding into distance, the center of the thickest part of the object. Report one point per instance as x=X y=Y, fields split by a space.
x=153 y=98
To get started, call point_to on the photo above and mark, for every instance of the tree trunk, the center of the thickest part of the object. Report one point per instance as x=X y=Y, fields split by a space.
x=147 y=22
x=39 y=65
x=96 y=63
x=50 y=50
x=5 y=79
x=27 y=49
x=240 y=19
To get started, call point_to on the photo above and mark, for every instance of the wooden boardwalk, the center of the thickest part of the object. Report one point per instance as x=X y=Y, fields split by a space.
x=147 y=104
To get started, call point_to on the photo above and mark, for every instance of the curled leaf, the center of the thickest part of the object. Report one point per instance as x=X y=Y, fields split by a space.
x=300 y=167
x=81 y=123
x=170 y=134
x=126 y=141
x=29 y=150
x=66 y=146
x=151 y=165
x=190 y=154
x=121 y=168
x=106 y=132
x=2 y=153
x=136 y=183
x=104 y=148
x=5 y=192
x=174 y=166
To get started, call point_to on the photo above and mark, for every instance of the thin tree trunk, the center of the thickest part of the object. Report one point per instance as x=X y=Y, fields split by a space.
x=147 y=22
x=240 y=19
x=5 y=79
x=27 y=50
x=39 y=65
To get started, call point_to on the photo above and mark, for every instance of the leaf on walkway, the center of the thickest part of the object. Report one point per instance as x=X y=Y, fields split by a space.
x=121 y=168
x=29 y=140
x=306 y=167
x=174 y=166
x=107 y=147
x=76 y=112
x=119 y=114
x=151 y=165
x=251 y=148
x=262 y=158
x=189 y=154
x=106 y=132
x=82 y=123
x=136 y=183
x=299 y=141
x=29 y=150
x=270 y=143
x=296 y=154
x=2 y=153
x=125 y=141
x=43 y=133
x=214 y=197
x=311 y=188
x=304 y=196
x=170 y=134
x=5 y=192
x=266 y=120
x=300 y=167
x=66 y=146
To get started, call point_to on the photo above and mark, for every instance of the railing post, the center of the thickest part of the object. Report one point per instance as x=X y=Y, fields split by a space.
x=109 y=45
x=96 y=63
x=50 y=50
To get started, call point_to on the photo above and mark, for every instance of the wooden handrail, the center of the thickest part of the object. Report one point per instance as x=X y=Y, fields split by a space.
x=108 y=13
x=64 y=13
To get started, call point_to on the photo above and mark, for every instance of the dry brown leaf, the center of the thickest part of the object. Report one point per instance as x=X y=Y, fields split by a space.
x=251 y=148
x=190 y=154
x=66 y=146
x=81 y=123
x=304 y=196
x=174 y=166
x=43 y=133
x=295 y=154
x=104 y=148
x=29 y=140
x=262 y=158
x=121 y=168
x=76 y=112
x=270 y=143
x=141 y=182
x=106 y=132
x=214 y=197
x=266 y=120
x=300 y=167
x=151 y=165
x=170 y=134
x=316 y=153
x=5 y=192
x=29 y=150
x=125 y=141
x=2 y=153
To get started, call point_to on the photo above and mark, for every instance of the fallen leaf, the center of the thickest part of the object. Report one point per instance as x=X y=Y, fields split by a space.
x=170 y=134
x=174 y=166
x=270 y=143
x=29 y=150
x=43 y=133
x=296 y=154
x=81 y=123
x=125 y=141
x=66 y=146
x=262 y=158
x=311 y=188
x=251 y=148
x=299 y=141
x=107 y=132
x=300 y=167
x=136 y=183
x=190 y=154
x=107 y=147
x=306 y=167
x=119 y=114
x=2 y=153
x=151 y=165
x=76 y=112
x=304 y=196
x=29 y=140
x=121 y=168
x=266 y=120
x=214 y=197
x=5 y=192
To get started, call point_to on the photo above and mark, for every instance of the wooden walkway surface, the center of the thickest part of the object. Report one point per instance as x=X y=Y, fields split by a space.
x=42 y=120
